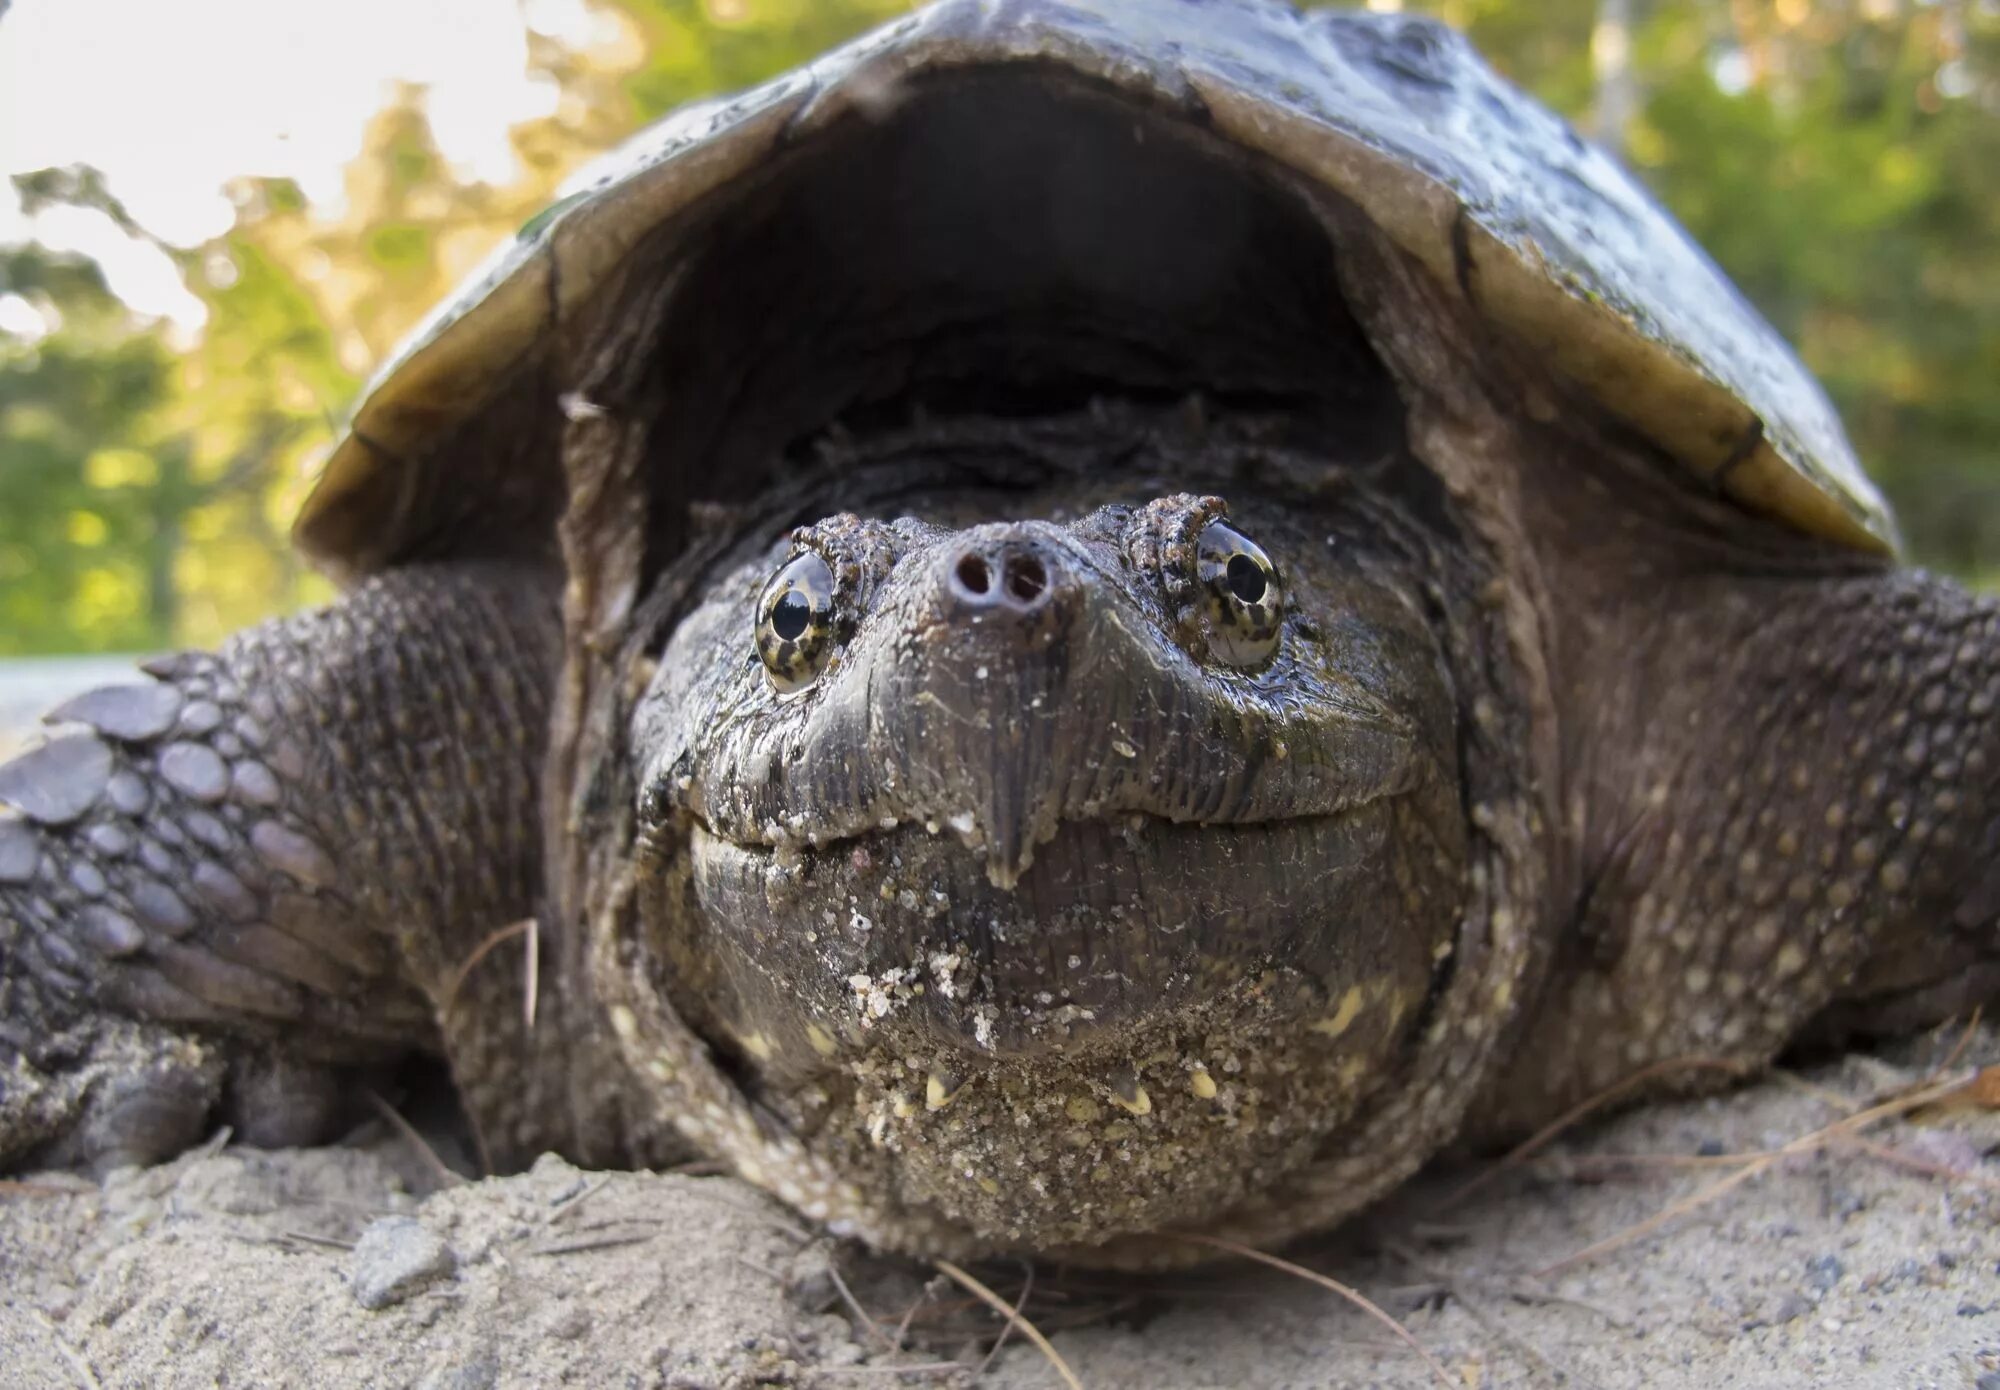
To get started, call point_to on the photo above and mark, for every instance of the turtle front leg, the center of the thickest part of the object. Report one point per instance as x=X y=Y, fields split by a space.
x=223 y=888
x=1784 y=807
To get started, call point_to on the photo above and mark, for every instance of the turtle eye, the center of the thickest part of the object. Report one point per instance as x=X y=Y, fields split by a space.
x=1243 y=598
x=795 y=623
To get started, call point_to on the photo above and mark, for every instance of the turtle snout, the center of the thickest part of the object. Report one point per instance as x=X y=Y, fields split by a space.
x=1004 y=573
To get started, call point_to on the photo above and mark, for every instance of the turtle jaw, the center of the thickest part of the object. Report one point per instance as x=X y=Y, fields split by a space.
x=1160 y=1018
x=1115 y=928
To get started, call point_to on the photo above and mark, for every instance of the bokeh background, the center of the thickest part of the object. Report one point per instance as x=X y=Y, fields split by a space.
x=223 y=213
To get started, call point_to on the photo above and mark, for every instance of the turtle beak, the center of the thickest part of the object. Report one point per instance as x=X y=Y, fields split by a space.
x=1009 y=604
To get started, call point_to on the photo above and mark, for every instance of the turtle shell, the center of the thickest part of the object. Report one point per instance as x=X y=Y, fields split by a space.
x=1495 y=196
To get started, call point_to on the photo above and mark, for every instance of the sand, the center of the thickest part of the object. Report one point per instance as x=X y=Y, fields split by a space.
x=237 y=1267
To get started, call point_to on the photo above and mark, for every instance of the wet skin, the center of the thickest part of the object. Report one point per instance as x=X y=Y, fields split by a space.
x=974 y=835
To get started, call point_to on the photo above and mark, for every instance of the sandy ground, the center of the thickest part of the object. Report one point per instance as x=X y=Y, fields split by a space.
x=234 y=1267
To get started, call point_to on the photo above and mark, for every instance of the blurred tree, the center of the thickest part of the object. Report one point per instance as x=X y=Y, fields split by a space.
x=78 y=540
x=140 y=492
x=1841 y=158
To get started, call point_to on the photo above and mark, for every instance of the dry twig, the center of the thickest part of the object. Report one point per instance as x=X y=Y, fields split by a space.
x=1005 y=1310
x=527 y=927
x=1352 y=1295
x=1542 y=1137
x=1805 y=1143
x=444 y=1171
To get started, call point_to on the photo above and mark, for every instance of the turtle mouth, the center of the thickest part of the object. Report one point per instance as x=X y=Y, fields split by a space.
x=1007 y=853
x=1113 y=925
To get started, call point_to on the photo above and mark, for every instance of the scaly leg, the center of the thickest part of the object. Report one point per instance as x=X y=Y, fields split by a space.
x=222 y=888
x=1785 y=799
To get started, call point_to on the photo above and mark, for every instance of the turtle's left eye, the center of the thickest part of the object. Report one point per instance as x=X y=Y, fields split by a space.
x=795 y=623
x=1243 y=598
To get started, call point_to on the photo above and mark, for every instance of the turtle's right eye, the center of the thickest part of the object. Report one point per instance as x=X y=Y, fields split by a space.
x=795 y=623
x=1246 y=599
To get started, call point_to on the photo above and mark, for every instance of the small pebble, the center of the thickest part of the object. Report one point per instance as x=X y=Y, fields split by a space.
x=395 y=1257
x=480 y=1373
x=1792 y=1306
x=1823 y=1272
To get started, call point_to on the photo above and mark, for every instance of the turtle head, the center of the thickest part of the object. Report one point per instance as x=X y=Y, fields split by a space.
x=1074 y=816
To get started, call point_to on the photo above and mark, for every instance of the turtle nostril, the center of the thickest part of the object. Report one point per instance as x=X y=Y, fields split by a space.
x=973 y=576
x=1004 y=574
x=1026 y=579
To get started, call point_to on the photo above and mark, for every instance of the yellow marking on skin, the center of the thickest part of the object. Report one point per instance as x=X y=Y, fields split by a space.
x=989 y=1187
x=624 y=1022
x=1202 y=1084
x=1139 y=1103
x=1344 y=1016
x=938 y=1091
x=902 y=1106
x=660 y=1069
x=1791 y=959
x=1503 y=994
x=822 y=1042
x=758 y=1046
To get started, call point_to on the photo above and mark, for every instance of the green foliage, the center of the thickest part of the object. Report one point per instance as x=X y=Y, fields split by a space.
x=695 y=47
x=78 y=529
x=1859 y=208
x=142 y=494
x=1840 y=158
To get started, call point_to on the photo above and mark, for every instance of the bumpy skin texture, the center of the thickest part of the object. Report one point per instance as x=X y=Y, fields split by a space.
x=222 y=888
x=979 y=943
x=1783 y=795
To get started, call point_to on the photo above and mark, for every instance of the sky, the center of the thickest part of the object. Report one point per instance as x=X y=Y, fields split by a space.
x=171 y=100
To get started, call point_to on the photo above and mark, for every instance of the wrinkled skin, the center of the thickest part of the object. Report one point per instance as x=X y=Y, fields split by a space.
x=937 y=898
x=908 y=819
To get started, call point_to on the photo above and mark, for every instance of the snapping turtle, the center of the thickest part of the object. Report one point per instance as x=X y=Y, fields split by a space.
x=1084 y=618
